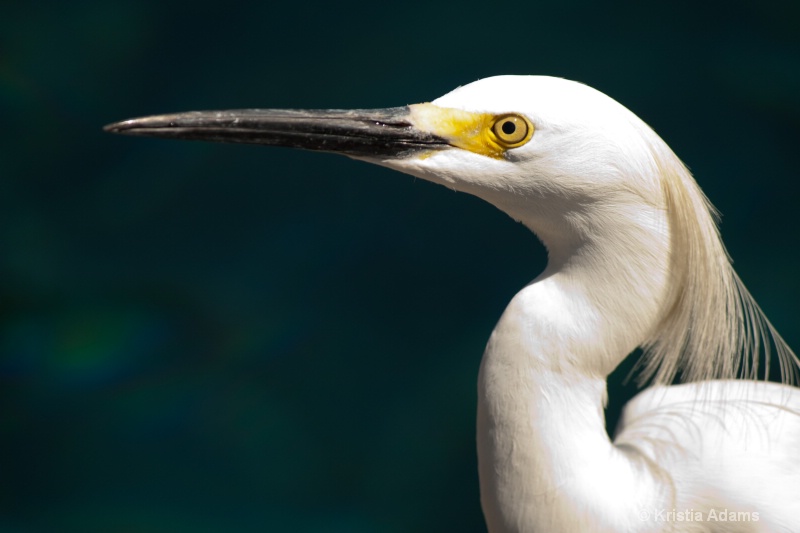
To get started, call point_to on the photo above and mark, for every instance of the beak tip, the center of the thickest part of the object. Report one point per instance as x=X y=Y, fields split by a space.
x=140 y=126
x=123 y=126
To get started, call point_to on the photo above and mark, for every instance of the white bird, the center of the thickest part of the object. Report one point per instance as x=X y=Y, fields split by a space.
x=634 y=260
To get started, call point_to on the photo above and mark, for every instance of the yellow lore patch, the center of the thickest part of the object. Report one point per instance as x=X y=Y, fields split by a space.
x=481 y=133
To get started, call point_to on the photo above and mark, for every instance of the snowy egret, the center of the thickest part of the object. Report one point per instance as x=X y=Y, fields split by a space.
x=634 y=260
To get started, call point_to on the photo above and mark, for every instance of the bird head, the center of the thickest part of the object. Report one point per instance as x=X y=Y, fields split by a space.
x=544 y=150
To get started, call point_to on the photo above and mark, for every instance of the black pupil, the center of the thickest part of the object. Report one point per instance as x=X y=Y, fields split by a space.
x=508 y=127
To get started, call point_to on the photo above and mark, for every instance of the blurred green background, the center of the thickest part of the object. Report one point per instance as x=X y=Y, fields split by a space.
x=214 y=338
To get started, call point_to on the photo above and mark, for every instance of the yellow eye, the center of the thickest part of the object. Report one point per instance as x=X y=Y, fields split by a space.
x=512 y=130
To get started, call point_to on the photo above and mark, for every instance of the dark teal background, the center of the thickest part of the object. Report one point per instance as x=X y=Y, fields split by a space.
x=216 y=338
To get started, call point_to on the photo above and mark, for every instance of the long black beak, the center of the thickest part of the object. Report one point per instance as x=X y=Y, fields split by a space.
x=359 y=132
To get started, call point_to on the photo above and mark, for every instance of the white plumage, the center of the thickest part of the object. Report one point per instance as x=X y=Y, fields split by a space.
x=635 y=260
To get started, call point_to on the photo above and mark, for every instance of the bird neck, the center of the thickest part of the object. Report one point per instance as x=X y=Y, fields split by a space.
x=546 y=461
